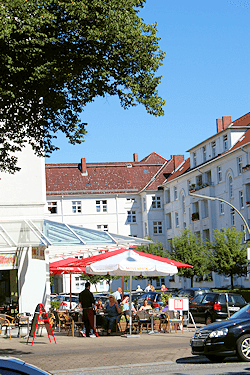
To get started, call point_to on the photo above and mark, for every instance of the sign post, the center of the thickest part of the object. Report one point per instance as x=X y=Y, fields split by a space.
x=180 y=304
x=40 y=316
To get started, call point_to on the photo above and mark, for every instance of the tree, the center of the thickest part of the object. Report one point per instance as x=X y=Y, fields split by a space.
x=95 y=279
x=188 y=248
x=58 y=55
x=228 y=256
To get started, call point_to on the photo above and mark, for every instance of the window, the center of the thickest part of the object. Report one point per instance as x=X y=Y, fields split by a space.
x=208 y=178
x=230 y=183
x=131 y=216
x=221 y=208
x=183 y=204
x=176 y=219
x=241 y=199
x=167 y=195
x=76 y=207
x=144 y=204
x=213 y=146
x=156 y=202
x=199 y=180
x=219 y=174
x=52 y=207
x=205 y=205
x=232 y=215
x=175 y=193
x=194 y=159
x=145 y=229
x=206 y=236
x=239 y=162
x=225 y=142
x=204 y=153
x=101 y=206
x=103 y=227
x=168 y=220
x=157 y=227
x=243 y=230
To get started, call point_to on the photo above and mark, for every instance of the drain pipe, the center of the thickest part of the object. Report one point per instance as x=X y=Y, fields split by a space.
x=245 y=152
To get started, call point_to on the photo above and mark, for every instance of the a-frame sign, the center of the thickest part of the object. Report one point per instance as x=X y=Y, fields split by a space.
x=40 y=316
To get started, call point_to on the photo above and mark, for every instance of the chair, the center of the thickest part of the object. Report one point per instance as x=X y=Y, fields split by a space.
x=22 y=322
x=65 y=322
x=144 y=320
x=8 y=322
x=174 y=320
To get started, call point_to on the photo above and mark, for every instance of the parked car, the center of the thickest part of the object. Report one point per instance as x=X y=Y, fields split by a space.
x=64 y=300
x=211 y=307
x=12 y=366
x=227 y=338
x=153 y=298
x=103 y=297
x=192 y=292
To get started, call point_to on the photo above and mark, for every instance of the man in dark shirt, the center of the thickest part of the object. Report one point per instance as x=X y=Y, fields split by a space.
x=87 y=301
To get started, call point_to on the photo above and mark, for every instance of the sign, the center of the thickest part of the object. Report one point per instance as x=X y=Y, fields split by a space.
x=180 y=304
x=40 y=316
x=38 y=252
x=7 y=261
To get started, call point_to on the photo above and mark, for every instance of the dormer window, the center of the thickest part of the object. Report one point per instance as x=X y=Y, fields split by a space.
x=213 y=145
x=225 y=142
x=204 y=153
x=194 y=159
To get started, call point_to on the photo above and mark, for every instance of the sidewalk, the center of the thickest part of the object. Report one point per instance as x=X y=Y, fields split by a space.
x=81 y=352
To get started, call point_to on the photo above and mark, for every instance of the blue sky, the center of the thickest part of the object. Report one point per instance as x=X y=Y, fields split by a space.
x=205 y=75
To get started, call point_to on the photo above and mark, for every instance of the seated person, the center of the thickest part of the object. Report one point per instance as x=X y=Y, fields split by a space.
x=99 y=305
x=125 y=304
x=112 y=310
x=145 y=306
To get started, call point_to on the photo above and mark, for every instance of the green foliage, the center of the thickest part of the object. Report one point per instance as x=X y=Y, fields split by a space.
x=55 y=304
x=188 y=248
x=59 y=55
x=165 y=297
x=156 y=249
x=228 y=256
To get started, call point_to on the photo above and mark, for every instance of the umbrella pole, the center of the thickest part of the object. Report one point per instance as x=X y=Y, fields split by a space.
x=70 y=298
x=130 y=306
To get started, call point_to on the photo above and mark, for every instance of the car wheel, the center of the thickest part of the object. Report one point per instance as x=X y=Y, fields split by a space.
x=208 y=319
x=243 y=347
x=214 y=358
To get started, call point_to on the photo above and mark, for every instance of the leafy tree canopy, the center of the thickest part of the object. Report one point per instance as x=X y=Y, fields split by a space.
x=228 y=255
x=58 y=55
x=188 y=248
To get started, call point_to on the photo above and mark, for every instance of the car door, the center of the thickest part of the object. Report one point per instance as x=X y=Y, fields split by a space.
x=206 y=306
x=194 y=307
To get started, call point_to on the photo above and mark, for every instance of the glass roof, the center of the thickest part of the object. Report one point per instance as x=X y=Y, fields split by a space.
x=14 y=233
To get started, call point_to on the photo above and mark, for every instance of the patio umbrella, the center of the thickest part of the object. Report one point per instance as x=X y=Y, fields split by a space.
x=61 y=267
x=126 y=262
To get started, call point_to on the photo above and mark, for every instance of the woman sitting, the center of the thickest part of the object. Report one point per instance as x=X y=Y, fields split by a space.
x=145 y=306
x=125 y=304
x=112 y=310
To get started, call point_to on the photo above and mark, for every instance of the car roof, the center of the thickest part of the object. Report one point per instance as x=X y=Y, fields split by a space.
x=17 y=364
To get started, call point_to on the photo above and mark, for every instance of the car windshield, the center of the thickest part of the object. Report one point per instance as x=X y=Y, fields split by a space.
x=236 y=298
x=243 y=313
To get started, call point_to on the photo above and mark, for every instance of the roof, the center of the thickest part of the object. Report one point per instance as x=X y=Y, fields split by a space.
x=106 y=178
x=184 y=167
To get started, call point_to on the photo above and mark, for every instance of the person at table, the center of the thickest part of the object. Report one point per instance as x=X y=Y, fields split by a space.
x=87 y=301
x=117 y=294
x=125 y=305
x=112 y=311
x=99 y=305
x=145 y=306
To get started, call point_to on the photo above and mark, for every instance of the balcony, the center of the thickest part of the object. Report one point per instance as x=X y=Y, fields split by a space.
x=195 y=216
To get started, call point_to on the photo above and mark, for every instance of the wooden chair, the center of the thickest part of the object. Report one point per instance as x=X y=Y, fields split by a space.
x=65 y=322
x=22 y=322
x=144 y=320
x=8 y=322
x=174 y=320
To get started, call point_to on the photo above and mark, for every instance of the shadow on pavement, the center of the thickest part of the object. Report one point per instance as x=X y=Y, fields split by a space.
x=13 y=352
x=202 y=359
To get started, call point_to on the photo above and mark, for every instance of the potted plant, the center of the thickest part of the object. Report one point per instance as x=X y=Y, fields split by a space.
x=192 y=188
x=195 y=216
x=246 y=167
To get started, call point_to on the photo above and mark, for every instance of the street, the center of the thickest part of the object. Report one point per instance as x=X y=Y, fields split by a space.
x=159 y=353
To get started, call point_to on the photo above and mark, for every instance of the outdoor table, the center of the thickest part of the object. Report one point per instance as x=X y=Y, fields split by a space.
x=152 y=314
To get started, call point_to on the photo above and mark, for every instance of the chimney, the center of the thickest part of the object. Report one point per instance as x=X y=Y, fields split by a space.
x=219 y=125
x=84 y=167
x=135 y=155
x=226 y=121
x=178 y=159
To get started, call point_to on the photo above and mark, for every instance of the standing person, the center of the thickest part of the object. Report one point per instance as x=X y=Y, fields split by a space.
x=147 y=289
x=87 y=301
x=117 y=294
x=139 y=289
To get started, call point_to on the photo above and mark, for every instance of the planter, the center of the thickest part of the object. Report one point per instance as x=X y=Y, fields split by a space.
x=246 y=167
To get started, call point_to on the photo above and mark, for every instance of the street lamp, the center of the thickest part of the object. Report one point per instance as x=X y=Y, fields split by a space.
x=222 y=200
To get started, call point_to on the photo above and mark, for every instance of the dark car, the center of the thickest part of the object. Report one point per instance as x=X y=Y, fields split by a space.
x=227 y=338
x=153 y=298
x=210 y=307
x=12 y=366
x=103 y=297
x=192 y=292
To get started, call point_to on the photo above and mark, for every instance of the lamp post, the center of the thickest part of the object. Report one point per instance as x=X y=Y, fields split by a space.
x=222 y=200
